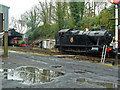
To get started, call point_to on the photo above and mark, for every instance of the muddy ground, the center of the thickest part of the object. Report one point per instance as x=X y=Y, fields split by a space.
x=91 y=57
x=33 y=70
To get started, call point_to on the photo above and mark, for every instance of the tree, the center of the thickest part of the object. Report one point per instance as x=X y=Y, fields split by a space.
x=60 y=15
x=77 y=11
x=94 y=8
x=13 y=22
x=107 y=14
x=45 y=19
x=82 y=8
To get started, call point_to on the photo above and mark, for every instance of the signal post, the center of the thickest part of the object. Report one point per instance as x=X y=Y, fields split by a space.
x=116 y=2
x=116 y=34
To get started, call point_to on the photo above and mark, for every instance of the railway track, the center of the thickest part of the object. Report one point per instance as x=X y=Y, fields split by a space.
x=77 y=56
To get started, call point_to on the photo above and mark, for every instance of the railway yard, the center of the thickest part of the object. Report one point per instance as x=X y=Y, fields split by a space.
x=61 y=63
x=40 y=68
x=61 y=45
x=54 y=52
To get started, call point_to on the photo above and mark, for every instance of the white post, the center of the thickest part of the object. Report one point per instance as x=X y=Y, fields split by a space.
x=116 y=33
x=116 y=25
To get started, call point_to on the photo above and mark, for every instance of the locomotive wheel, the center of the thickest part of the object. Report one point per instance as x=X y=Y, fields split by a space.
x=108 y=55
x=113 y=63
x=61 y=50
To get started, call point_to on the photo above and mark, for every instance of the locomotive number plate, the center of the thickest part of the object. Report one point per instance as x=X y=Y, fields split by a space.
x=94 y=49
x=71 y=39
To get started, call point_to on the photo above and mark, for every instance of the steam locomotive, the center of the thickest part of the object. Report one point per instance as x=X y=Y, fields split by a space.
x=15 y=38
x=84 y=40
x=17 y=41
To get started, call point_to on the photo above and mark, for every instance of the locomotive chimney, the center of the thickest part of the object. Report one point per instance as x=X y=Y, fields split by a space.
x=102 y=27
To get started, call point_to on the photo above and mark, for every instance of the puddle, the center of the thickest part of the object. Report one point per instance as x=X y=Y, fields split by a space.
x=118 y=86
x=31 y=75
x=56 y=66
x=79 y=71
x=5 y=63
x=1 y=63
x=103 y=84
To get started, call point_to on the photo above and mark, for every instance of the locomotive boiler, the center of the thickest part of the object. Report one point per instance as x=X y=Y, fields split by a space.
x=82 y=40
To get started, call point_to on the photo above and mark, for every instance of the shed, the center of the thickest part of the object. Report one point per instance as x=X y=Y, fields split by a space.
x=47 y=44
x=5 y=10
x=13 y=34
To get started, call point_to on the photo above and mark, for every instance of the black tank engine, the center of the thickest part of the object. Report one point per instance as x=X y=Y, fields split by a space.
x=70 y=39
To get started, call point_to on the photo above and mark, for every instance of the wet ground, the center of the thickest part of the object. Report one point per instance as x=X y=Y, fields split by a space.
x=30 y=75
x=23 y=70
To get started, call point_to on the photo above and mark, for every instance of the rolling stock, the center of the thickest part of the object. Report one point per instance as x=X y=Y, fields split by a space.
x=82 y=40
x=15 y=38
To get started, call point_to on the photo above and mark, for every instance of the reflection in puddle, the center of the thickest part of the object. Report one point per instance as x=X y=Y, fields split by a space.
x=103 y=84
x=56 y=66
x=31 y=75
x=2 y=63
x=79 y=72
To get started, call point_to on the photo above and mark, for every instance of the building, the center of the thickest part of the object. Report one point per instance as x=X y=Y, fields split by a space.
x=5 y=10
x=13 y=34
x=4 y=20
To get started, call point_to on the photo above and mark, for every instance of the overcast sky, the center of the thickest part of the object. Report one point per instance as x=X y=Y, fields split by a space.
x=18 y=7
